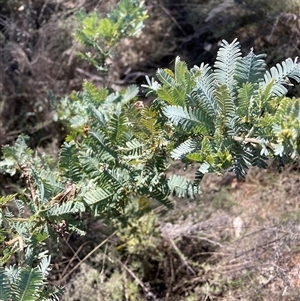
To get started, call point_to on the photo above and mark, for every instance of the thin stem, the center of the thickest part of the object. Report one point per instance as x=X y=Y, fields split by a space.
x=253 y=140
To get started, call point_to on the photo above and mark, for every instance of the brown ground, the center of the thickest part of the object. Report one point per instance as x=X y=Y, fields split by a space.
x=238 y=241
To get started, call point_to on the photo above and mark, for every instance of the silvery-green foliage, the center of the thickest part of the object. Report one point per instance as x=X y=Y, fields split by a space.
x=233 y=115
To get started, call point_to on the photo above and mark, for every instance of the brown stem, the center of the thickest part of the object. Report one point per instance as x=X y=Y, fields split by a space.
x=24 y=169
x=253 y=140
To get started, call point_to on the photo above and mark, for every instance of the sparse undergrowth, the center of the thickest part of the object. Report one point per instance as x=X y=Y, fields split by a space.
x=248 y=251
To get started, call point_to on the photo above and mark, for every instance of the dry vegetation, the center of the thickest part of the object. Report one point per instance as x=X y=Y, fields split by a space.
x=240 y=239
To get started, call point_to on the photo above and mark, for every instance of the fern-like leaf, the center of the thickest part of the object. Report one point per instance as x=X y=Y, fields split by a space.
x=191 y=120
x=182 y=75
x=196 y=157
x=134 y=149
x=65 y=208
x=4 y=200
x=44 y=266
x=182 y=187
x=250 y=69
x=14 y=156
x=204 y=79
x=200 y=173
x=117 y=127
x=160 y=191
x=98 y=116
x=68 y=161
x=258 y=159
x=149 y=124
x=282 y=109
x=225 y=64
x=166 y=77
x=116 y=178
x=225 y=103
x=93 y=95
x=245 y=101
x=99 y=196
x=281 y=74
x=78 y=121
x=174 y=88
x=183 y=149
x=5 y=287
x=242 y=158
x=90 y=164
x=130 y=93
x=102 y=146
x=50 y=184
x=28 y=284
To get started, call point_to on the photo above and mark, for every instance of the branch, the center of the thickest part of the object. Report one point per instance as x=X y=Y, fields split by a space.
x=254 y=141
x=84 y=259
x=25 y=171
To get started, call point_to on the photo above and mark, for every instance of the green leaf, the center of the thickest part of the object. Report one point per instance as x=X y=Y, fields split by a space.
x=69 y=162
x=195 y=121
x=97 y=196
x=29 y=283
x=242 y=158
x=117 y=128
x=204 y=168
x=92 y=94
x=65 y=208
x=102 y=143
x=250 y=69
x=182 y=75
x=182 y=187
x=245 y=101
x=5 y=287
x=105 y=28
x=134 y=149
x=130 y=93
x=281 y=74
x=225 y=103
x=173 y=90
x=15 y=156
x=149 y=125
x=78 y=121
x=183 y=149
x=225 y=64
x=205 y=86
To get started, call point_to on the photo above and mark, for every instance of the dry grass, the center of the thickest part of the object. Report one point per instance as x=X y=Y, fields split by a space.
x=244 y=246
x=254 y=241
